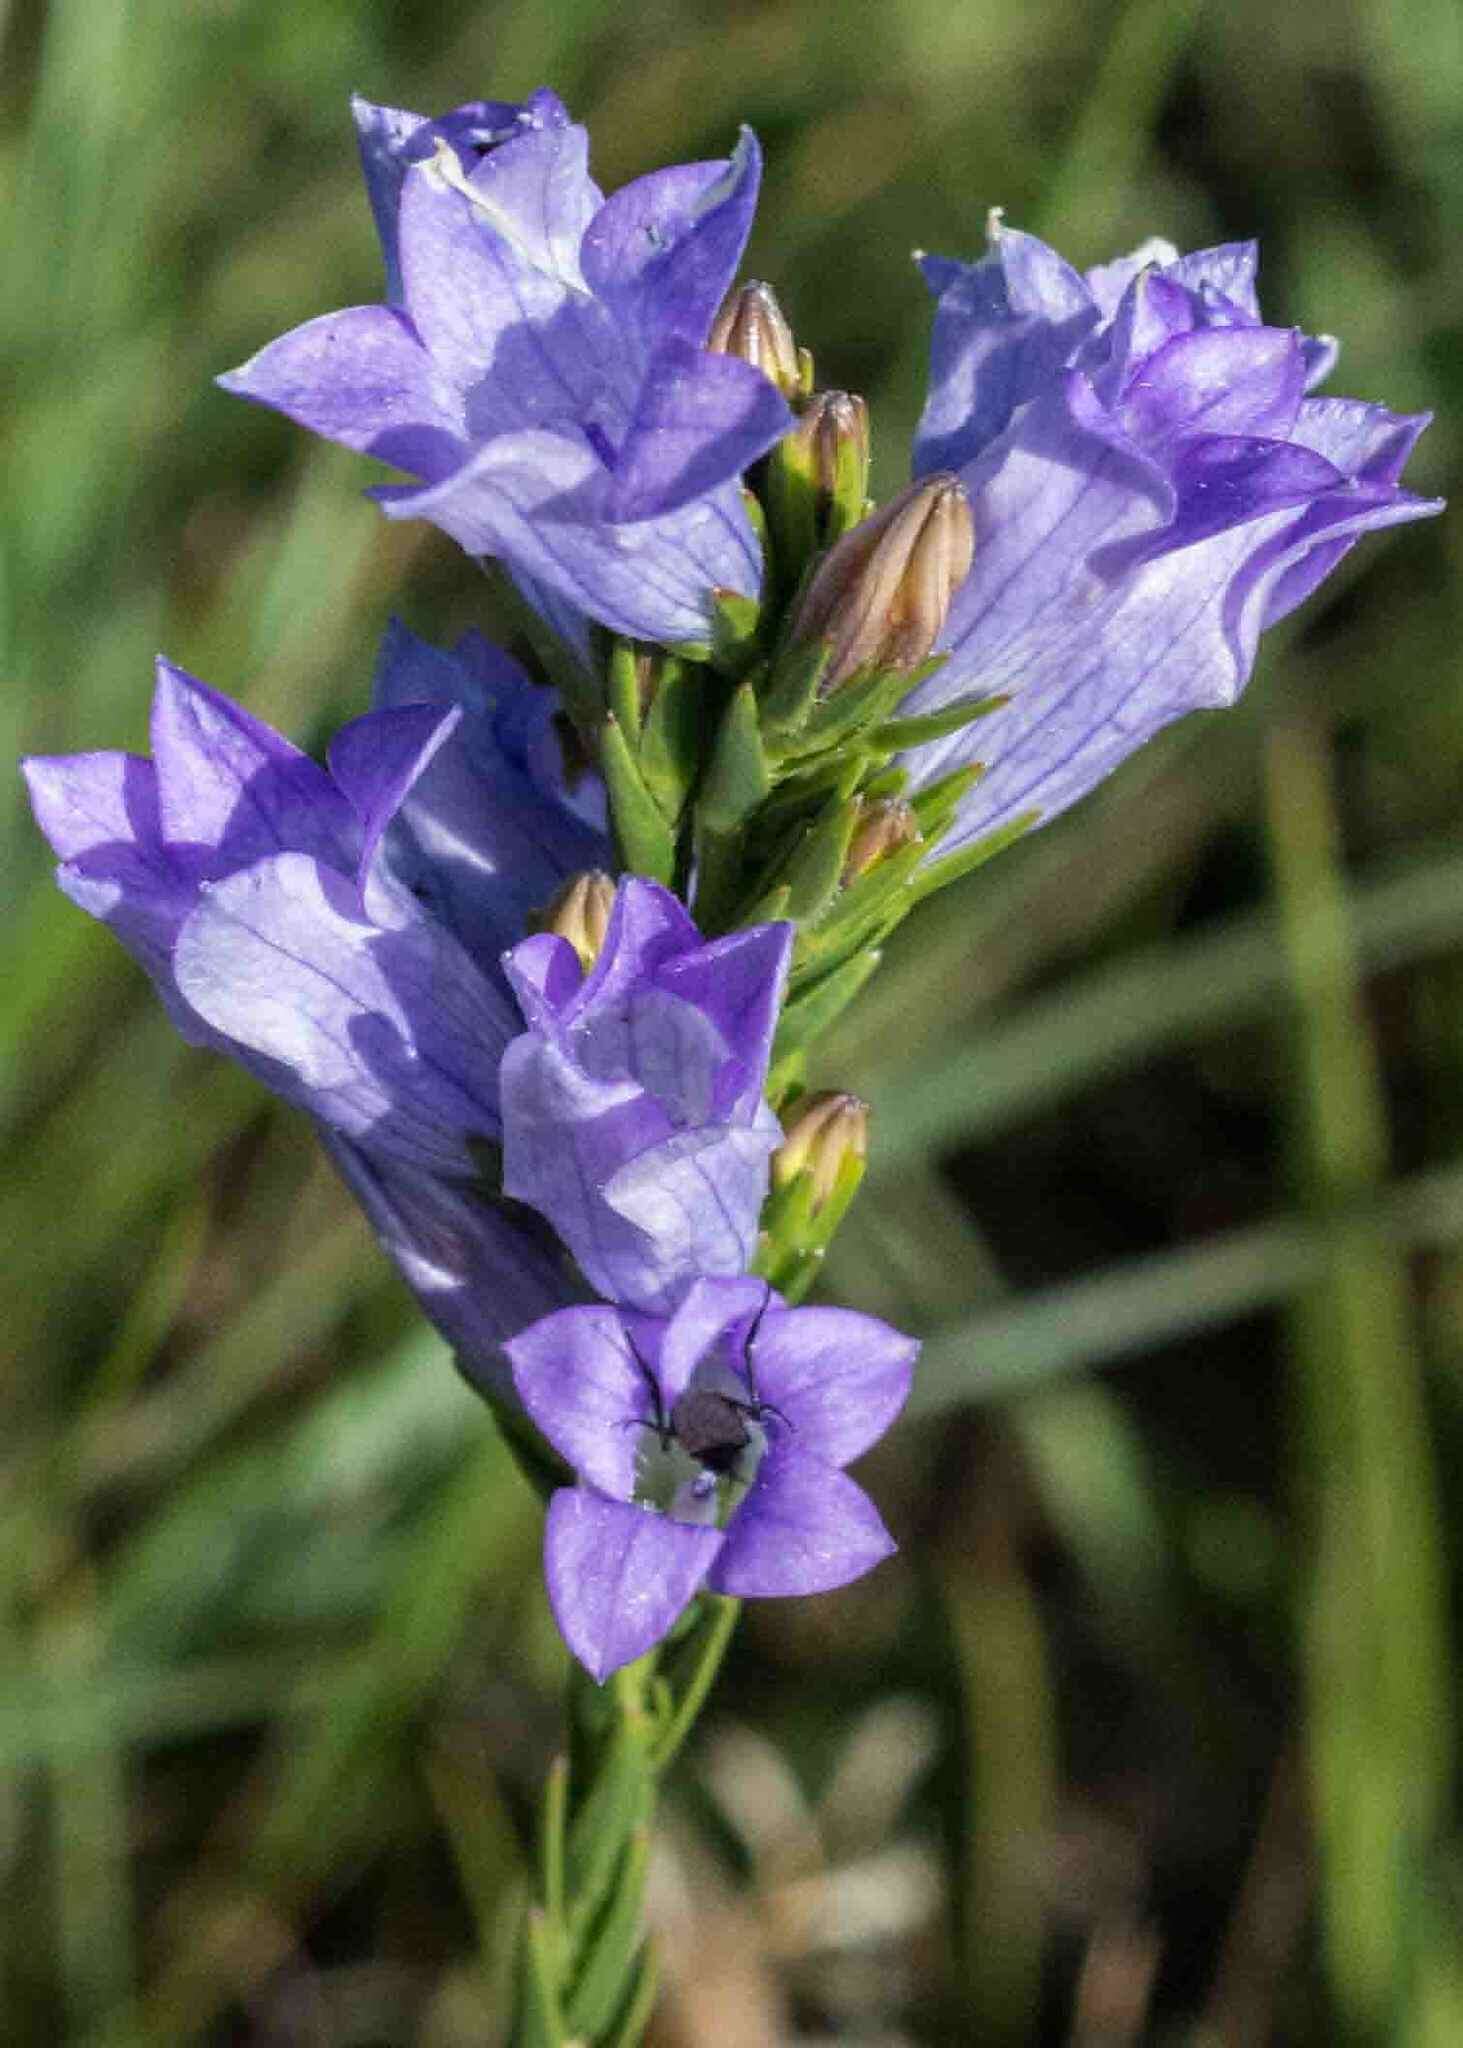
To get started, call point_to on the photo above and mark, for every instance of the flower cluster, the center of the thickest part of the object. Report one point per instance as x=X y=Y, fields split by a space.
x=546 y=974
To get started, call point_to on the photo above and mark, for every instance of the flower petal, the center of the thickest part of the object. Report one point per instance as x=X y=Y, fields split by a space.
x=802 y=1527
x=577 y=1375
x=619 y=1576
x=376 y=759
x=389 y=1034
x=837 y=1378
x=664 y=249
x=531 y=497
x=710 y=1309
x=700 y=418
x=361 y=377
x=479 y=1269
x=228 y=782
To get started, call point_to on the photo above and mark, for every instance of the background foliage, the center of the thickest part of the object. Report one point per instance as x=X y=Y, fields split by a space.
x=1149 y=1734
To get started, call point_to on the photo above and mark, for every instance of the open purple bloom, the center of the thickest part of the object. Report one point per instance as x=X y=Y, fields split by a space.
x=337 y=930
x=710 y=1451
x=1151 y=488
x=540 y=364
x=633 y=1111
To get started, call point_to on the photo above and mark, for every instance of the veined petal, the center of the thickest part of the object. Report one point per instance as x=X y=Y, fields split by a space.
x=376 y=760
x=85 y=801
x=535 y=499
x=710 y=1309
x=390 y=1035
x=837 y=1378
x=700 y=419
x=664 y=249
x=363 y=378
x=738 y=982
x=577 y=1375
x=479 y=1270
x=619 y=1576
x=693 y=1202
x=802 y=1527
x=230 y=783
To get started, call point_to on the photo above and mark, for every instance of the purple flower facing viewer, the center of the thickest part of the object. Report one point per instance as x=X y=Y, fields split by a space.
x=633 y=1110
x=540 y=365
x=709 y=1450
x=1151 y=488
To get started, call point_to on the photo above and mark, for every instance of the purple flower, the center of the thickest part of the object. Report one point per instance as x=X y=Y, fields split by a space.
x=633 y=1112
x=1151 y=489
x=710 y=1451
x=540 y=365
x=335 y=930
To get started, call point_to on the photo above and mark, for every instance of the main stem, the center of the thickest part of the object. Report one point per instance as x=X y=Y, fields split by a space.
x=586 y=1972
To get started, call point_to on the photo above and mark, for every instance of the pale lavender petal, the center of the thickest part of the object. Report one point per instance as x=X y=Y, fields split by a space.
x=738 y=982
x=802 y=1527
x=710 y=1309
x=693 y=1202
x=577 y=1376
x=649 y=928
x=392 y=1036
x=619 y=1576
x=545 y=975
x=1107 y=282
x=363 y=378
x=1322 y=352
x=664 y=250
x=1003 y=327
x=228 y=782
x=480 y=1269
x=376 y=760
x=1229 y=268
x=535 y=498
x=1220 y=380
x=85 y=801
x=837 y=1378
x=699 y=418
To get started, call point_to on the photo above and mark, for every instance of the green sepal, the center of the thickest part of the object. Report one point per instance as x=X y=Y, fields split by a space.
x=630 y=2023
x=735 y=624
x=644 y=841
x=890 y=782
x=674 y=735
x=899 y=733
x=790 y=497
x=936 y=806
x=865 y=906
x=739 y=777
x=797 y=1235
x=941 y=872
x=791 y=689
x=809 y=1013
x=622 y=686
x=866 y=699
x=811 y=872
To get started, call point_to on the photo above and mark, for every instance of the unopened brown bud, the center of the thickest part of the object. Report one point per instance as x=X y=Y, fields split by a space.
x=751 y=325
x=884 y=826
x=580 y=913
x=823 y=1133
x=882 y=593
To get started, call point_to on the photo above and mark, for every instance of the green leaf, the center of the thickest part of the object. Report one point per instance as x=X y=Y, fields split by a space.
x=864 y=700
x=898 y=733
x=811 y=874
x=643 y=839
x=623 y=685
x=612 y=1955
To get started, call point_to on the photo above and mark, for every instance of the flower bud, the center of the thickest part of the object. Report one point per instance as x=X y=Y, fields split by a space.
x=580 y=913
x=885 y=824
x=882 y=594
x=751 y=325
x=829 y=447
x=824 y=1133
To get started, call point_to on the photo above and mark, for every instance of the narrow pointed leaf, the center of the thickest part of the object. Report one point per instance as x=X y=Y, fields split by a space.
x=645 y=841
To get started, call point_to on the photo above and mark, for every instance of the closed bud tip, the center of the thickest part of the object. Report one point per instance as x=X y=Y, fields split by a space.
x=580 y=913
x=824 y=1133
x=751 y=325
x=885 y=824
x=881 y=595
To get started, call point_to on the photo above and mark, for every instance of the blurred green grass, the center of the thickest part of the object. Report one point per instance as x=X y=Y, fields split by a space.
x=1177 y=1083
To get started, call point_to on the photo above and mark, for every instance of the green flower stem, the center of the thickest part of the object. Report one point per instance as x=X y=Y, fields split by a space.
x=716 y=1637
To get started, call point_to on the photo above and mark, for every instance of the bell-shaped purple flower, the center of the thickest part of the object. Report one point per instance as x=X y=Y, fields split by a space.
x=337 y=930
x=540 y=365
x=633 y=1110
x=709 y=1450
x=1151 y=488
